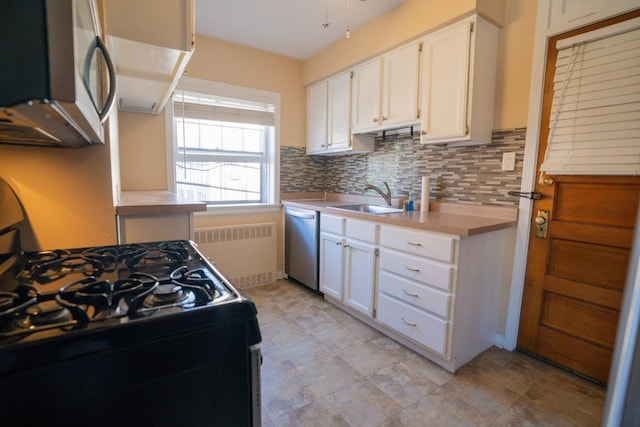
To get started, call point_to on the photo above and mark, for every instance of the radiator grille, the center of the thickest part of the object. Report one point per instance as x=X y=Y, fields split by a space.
x=245 y=254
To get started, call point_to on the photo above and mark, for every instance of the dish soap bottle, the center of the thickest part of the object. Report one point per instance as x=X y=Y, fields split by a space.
x=410 y=204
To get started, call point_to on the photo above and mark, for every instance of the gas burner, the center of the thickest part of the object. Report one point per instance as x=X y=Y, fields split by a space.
x=101 y=298
x=35 y=314
x=198 y=280
x=157 y=260
x=169 y=294
x=14 y=302
x=175 y=250
x=46 y=267
x=46 y=313
x=107 y=256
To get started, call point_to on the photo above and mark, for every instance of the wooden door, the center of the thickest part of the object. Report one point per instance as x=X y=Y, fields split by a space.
x=575 y=275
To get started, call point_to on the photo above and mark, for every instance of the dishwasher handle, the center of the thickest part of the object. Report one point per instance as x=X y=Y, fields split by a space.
x=301 y=214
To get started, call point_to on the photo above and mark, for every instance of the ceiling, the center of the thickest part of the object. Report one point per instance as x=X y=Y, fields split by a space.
x=293 y=28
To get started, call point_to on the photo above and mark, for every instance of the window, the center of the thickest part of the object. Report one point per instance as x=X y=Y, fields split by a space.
x=594 y=125
x=223 y=148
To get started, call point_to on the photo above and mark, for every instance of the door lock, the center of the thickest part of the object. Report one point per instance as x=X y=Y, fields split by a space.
x=542 y=224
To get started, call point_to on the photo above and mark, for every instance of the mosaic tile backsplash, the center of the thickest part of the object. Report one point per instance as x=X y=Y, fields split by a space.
x=469 y=175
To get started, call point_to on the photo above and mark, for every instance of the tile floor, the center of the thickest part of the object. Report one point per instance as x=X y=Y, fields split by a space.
x=324 y=368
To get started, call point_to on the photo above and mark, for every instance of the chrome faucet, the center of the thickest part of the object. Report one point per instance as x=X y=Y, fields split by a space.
x=386 y=196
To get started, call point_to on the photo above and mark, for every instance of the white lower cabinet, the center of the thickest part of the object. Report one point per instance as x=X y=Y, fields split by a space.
x=154 y=228
x=348 y=255
x=331 y=264
x=436 y=293
x=440 y=292
x=417 y=273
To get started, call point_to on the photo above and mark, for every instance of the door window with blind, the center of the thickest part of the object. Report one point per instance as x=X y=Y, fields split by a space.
x=224 y=145
x=595 y=117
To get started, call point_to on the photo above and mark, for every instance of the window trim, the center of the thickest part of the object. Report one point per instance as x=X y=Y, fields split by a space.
x=191 y=84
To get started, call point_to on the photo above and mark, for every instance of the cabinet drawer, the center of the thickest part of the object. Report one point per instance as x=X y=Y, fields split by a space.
x=332 y=224
x=439 y=247
x=362 y=230
x=418 y=269
x=413 y=323
x=420 y=296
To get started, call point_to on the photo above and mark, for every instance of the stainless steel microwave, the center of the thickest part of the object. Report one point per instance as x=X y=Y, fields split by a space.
x=57 y=80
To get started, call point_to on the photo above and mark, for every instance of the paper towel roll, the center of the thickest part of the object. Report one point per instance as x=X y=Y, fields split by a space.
x=424 y=196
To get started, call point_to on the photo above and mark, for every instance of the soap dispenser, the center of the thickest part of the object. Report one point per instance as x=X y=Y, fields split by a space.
x=410 y=204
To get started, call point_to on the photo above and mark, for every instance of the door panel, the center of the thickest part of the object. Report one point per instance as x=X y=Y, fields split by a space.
x=576 y=203
x=590 y=322
x=588 y=263
x=575 y=276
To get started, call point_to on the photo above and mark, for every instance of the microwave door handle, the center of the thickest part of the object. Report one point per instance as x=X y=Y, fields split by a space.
x=111 y=98
x=86 y=76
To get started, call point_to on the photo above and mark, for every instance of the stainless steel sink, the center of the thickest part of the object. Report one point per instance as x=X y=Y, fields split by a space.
x=367 y=208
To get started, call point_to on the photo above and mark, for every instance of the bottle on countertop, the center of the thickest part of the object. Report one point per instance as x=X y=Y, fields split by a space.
x=410 y=206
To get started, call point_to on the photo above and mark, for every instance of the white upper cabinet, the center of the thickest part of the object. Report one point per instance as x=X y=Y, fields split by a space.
x=565 y=15
x=367 y=96
x=152 y=43
x=317 y=117
x=339 y=108
x=458 y=83
x=329 y=118
x=385 y=90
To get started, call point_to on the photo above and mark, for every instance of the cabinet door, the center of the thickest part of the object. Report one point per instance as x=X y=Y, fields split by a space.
x=366 y=96
x=359 y=276
x=154 y=228
x=317 y=117
x=445 y=83
x=400 y=86
x=339 y=98
x=331 y=265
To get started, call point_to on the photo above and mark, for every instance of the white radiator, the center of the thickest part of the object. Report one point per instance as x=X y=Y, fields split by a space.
x=244 y=254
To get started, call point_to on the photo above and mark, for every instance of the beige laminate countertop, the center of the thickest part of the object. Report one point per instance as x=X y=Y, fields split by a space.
x=156 y=203
x=450 y=218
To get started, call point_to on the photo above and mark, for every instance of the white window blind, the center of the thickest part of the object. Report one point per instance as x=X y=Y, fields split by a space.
x=595 y=116
x=202 y=107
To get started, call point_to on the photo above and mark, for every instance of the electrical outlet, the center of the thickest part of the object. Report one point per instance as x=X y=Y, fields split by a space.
x=509 y=161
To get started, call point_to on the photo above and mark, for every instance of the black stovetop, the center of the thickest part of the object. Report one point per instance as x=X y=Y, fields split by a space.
x=56 y=293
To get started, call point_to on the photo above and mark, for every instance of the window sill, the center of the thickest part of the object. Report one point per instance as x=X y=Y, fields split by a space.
x=239 y=209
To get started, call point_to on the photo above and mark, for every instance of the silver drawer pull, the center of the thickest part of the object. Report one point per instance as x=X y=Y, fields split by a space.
x=410 y=295
x=415 y=270
x=407 y=323
x=339 y=243
x=412 y=244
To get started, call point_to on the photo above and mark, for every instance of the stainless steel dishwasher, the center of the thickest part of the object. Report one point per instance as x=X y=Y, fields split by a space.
x=301 y=229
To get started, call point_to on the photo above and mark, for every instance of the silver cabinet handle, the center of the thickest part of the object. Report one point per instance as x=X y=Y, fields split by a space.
x=415 y=270
x=407 y=323
x=410 y=295
x=412 y=244
x=338 y=243
x=346 y=245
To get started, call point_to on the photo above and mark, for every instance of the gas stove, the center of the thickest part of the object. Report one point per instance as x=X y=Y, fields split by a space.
x=129 y=335
x=62 y=291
